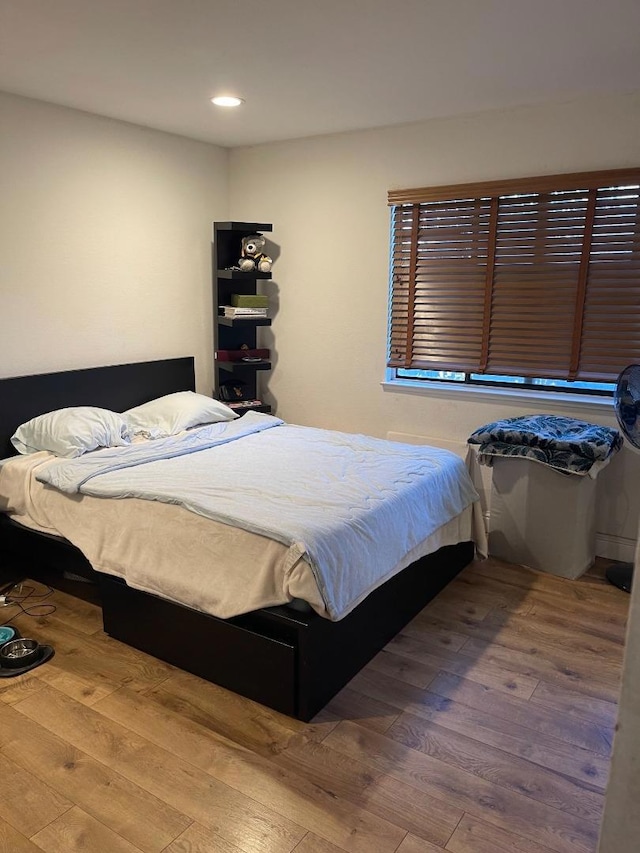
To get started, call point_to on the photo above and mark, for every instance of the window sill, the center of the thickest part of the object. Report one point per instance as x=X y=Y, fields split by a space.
x=542 y=399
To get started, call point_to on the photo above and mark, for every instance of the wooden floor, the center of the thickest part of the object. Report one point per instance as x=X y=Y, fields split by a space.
x=485 y=727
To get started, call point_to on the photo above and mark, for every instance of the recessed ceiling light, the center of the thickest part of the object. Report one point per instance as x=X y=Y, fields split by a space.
x=227 y=101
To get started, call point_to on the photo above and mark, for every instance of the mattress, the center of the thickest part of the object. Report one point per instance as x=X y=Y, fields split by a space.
x=168 y=550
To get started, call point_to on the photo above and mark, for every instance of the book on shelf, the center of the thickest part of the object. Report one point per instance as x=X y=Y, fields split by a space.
x=249 y=300
x=240 y=354
x=231 y=311
x=244 y=404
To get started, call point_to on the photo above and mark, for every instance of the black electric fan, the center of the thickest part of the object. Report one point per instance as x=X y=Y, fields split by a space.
x=627 y=407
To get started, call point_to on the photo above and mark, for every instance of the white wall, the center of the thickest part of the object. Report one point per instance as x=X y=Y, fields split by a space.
x=326 y=197
x=105 y=241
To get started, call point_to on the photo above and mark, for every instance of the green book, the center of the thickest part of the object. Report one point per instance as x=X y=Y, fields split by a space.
x=249 y=300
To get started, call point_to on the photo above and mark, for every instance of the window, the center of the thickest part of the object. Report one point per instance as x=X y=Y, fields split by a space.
x=532 y=281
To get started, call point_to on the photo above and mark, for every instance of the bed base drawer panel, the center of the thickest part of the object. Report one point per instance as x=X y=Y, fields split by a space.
x=241 y=660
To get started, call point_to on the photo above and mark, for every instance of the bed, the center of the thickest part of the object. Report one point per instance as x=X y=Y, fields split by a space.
x=293 y=660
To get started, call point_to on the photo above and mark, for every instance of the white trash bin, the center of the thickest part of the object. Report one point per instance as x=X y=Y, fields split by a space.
x=542 y=518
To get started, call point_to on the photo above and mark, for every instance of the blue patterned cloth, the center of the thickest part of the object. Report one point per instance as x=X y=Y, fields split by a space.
x=566 y=444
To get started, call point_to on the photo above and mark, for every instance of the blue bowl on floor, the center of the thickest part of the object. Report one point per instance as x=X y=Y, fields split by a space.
x=7 y=633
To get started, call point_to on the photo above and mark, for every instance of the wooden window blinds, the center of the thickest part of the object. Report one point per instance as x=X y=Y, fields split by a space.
x=535 y=277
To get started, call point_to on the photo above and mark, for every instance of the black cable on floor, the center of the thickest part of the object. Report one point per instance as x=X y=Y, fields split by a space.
x=26 y=593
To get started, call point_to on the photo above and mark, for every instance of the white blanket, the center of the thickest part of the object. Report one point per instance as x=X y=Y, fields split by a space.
x=354 y=505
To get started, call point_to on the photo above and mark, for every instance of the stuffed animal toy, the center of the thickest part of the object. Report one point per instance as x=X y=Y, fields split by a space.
x=252 y=256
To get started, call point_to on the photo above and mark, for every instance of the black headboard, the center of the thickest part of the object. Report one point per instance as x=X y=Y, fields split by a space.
x=117 y=387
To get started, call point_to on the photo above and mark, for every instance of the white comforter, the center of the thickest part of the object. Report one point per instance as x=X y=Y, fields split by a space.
x=355 y=506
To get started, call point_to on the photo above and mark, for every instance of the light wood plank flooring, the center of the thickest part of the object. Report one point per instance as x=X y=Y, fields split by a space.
x=484 y=727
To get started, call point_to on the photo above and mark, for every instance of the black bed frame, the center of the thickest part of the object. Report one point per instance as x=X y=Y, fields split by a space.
x=291 y=661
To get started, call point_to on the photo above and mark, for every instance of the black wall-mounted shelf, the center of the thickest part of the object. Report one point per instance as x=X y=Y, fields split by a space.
x=242 y=321
x=239 y=275
x=239 y=366
x=236 y=333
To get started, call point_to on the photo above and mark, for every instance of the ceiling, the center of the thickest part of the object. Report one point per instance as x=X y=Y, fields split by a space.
x=308 y=68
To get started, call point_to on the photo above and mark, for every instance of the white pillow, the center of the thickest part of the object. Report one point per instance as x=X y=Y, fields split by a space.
x=176 y=412
x=72 y=431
